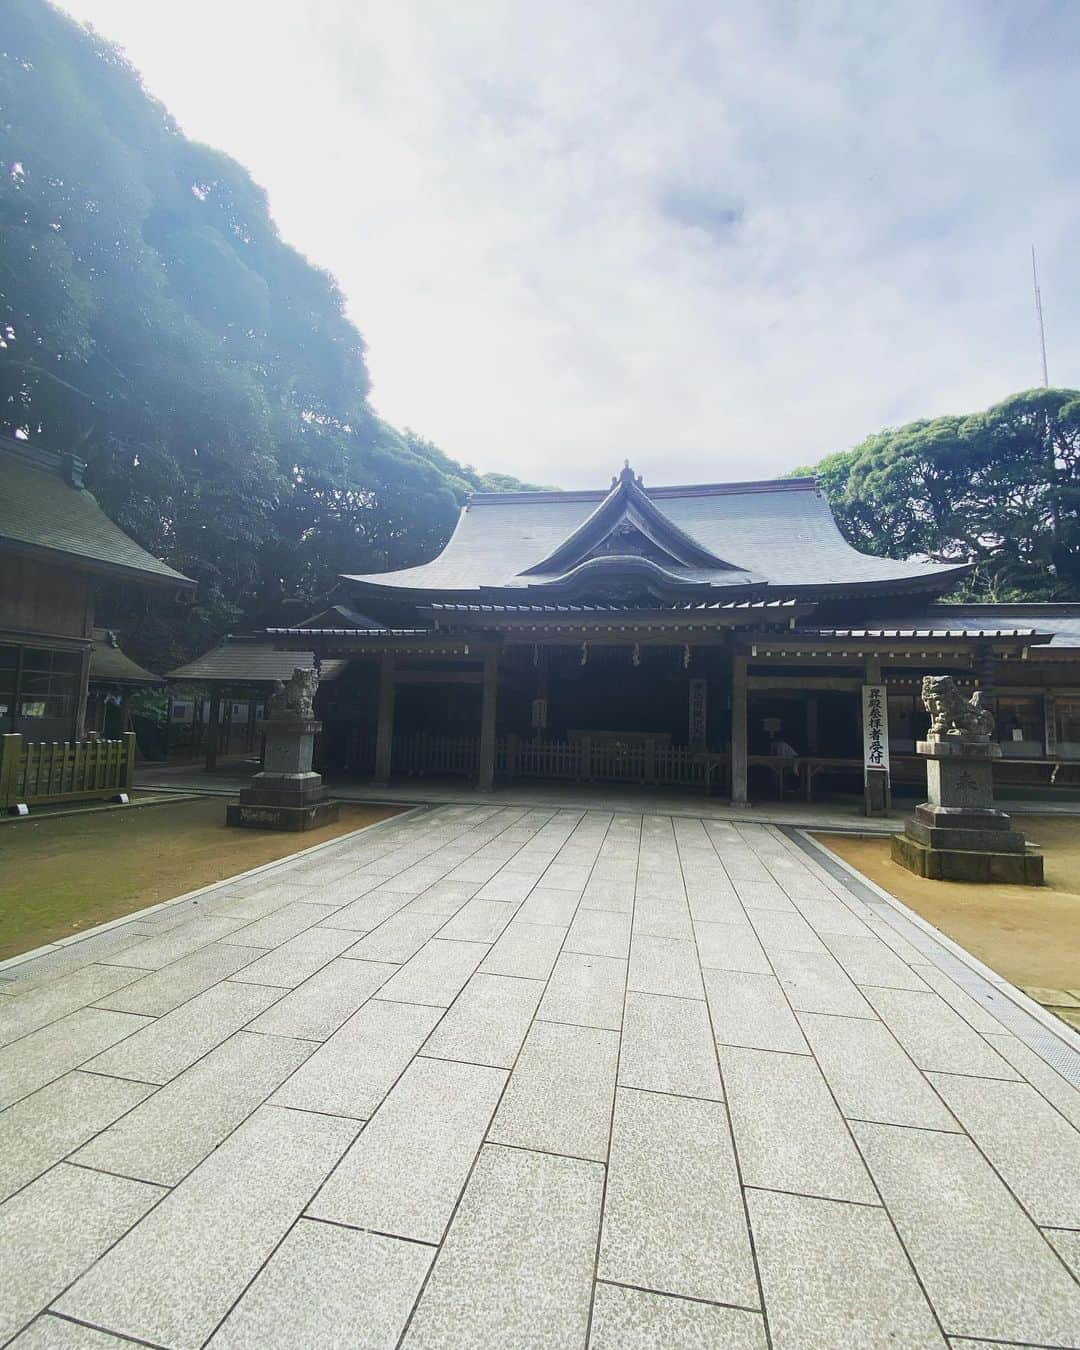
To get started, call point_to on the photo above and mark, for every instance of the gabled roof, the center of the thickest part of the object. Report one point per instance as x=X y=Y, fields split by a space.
x=702 y=539
x=110 y=665
x=250 y=660
x=46 y=512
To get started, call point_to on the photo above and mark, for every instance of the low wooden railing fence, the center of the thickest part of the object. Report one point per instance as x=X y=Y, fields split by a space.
x=421 y=753
x=34 y=773
x=580 y=760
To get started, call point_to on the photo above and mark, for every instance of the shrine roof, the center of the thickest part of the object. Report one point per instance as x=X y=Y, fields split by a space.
x=46 y=512
x=701 y=539
x=1054 y=626
x=250 y=660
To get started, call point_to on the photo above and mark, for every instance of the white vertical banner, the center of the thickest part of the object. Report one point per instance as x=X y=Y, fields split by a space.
x=698 y=712
x=875 y=725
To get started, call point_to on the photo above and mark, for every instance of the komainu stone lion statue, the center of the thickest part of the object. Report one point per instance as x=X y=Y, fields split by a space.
x=295 y=698
x=951 y=714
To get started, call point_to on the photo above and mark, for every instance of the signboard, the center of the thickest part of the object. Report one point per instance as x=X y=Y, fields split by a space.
x=875 y=721
x=699 y=710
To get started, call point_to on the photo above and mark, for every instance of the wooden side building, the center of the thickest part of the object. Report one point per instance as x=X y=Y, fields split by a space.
x=56 y=544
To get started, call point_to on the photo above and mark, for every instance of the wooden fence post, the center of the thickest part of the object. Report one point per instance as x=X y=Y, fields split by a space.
x=10 y=754
x=128 y=773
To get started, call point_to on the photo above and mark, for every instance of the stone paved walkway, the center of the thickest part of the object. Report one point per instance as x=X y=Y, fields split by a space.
x=490 y=1076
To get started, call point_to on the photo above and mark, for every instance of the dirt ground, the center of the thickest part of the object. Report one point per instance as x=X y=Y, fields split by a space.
x=60 y=874
x=1029 y=934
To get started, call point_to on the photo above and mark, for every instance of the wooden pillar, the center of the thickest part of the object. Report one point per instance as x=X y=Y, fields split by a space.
x=212 y=732
x=486 y=776
x=384 y=737
x=986 y=678
x=738 y=728
x=79 y=728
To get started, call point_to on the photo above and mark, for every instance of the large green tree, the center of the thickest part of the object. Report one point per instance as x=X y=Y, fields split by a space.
x=999 y=488
x=153 y=320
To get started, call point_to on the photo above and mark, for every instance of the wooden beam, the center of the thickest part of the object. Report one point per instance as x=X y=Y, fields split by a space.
x=739 y=699
x=486 y=777
x=847 y=684
x=438 y=677
x=384 y=736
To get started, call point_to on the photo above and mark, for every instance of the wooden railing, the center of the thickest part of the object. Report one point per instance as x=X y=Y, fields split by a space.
x=581 y=760
x=34 y=773
x=421 y=753
x=587 y=760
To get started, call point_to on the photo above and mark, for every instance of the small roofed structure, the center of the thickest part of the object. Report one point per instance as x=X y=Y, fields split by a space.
x=114 y=676
x=241 y=669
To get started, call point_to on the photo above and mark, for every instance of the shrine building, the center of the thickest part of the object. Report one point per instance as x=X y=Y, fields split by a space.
x=723 y=635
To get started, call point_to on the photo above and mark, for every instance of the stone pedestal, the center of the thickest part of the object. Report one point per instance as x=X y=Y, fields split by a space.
x=958 y=835
x=287 y=794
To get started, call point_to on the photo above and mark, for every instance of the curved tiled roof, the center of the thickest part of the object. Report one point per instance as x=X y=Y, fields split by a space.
x=41 y=513
x=779 y=533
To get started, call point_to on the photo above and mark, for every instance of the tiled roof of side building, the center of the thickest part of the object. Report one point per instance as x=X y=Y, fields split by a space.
x=43 y=513
x=109 y=664
x=774 y=534
x=250 y=660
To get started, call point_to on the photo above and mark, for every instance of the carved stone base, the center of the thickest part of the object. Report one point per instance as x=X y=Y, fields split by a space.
x=255 y=816
x=962 y=864
x=287 y=794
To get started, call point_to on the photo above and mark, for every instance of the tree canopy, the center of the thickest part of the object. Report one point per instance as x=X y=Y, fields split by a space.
x=999 y=488
x=153 y=321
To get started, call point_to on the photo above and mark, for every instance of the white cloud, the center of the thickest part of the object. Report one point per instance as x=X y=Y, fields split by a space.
x=721 y=239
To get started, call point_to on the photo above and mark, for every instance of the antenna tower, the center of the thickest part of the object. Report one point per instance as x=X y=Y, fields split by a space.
x=1039 y=317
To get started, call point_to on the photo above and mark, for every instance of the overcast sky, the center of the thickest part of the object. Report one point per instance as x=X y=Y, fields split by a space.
x=722 y=239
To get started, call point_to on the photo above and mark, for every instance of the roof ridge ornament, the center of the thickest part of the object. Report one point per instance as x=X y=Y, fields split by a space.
x=627 y=475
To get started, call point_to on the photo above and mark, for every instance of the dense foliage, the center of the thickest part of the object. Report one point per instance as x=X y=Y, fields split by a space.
x=152 y=320
x=1000 y=488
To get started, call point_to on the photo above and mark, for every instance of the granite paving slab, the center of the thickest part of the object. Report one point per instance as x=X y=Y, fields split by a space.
x=516 y=1267
x=560 y=1091
x=674 y=1220
x=988 y=1270
x=55 y=1229
x=168 y=1045
x=751 y=1010
x=405 y=1172
x=316 y=1008
x=634 y=1319
x=354 y=1070
x=789 y=1133
x=1032 y=1147
x=176 y=1275
x=31 y=1011
x=835 y=1274
x=325 y=1283
x=50 y=1052
x=162 y=990
x=175 y=1129
x=487 y=1022
x=585 y=990
x=667 y=1046
x=45 y=1127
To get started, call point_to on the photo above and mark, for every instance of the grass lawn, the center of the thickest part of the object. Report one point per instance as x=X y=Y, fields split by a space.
x=1029 y=934
x=60 y=874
